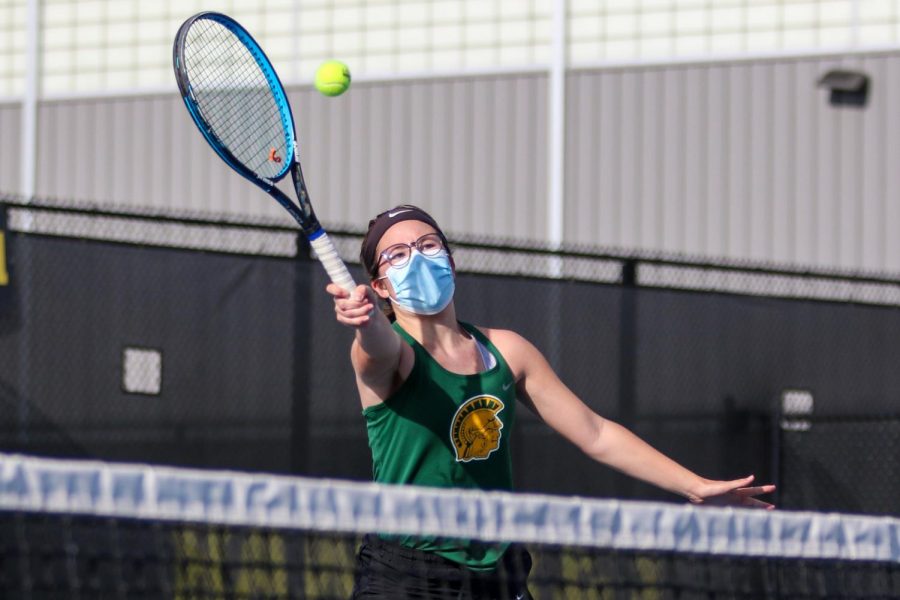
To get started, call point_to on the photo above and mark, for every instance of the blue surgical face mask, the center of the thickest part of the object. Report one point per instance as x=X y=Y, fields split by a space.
x=424 y=285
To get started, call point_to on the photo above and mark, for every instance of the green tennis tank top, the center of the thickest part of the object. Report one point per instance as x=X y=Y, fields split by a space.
x=443 y=429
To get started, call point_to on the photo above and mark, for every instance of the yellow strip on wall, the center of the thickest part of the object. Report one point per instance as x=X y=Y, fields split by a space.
x=4 y=274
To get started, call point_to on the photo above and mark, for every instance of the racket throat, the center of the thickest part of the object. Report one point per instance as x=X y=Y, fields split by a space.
x=307 y=217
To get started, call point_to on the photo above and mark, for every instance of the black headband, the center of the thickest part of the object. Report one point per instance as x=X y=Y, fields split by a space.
x=387 y=219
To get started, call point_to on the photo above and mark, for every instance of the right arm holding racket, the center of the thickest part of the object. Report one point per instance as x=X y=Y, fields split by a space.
x=237 y=101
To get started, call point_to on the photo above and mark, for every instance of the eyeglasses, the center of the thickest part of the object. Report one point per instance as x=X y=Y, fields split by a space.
x=398 y=255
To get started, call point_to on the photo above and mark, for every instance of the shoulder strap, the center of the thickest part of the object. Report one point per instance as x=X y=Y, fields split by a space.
x=484 y=341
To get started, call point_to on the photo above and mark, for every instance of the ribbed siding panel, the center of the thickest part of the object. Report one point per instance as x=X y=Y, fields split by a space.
x=136 y=151
x=745 y=161
x=10 y=154
x=887 y=127
x=472 y=151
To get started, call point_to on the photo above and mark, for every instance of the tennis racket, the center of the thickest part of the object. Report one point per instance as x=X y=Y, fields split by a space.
x=237 y=101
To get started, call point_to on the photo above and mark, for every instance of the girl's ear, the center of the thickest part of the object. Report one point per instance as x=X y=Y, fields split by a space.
x=381 y=288
x=452 y=265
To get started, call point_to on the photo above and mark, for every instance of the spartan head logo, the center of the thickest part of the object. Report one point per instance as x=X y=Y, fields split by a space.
x=475 y=432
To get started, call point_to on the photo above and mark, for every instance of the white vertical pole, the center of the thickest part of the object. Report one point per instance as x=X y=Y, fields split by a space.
x=27 y=187
x=556 y=132
x=556 y=125
x=29 y=102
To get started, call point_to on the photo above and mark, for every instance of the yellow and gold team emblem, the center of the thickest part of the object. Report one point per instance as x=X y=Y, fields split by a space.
x=476 y=428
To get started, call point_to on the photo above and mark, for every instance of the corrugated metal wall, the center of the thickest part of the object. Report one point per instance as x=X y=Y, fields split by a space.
x=135 y=151
x=743 y=160
x=470 y=149
x=747 y=161
x=10 y=160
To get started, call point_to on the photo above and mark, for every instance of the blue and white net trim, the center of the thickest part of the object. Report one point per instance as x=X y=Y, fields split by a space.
x=261 y=500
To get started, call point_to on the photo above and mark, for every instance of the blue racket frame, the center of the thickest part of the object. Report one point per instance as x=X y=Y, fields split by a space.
x=303 y=212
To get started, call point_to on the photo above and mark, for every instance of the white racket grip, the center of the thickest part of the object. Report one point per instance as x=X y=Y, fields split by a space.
x=328 y=255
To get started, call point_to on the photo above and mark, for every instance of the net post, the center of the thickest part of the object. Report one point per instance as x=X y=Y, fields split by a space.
x=628 y=340
x=628 y=353
x=775 y=445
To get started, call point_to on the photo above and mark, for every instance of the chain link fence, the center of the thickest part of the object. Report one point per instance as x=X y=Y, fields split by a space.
x=183 y=339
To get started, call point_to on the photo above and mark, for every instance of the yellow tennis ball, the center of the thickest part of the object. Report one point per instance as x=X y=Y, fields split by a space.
x=332 y=78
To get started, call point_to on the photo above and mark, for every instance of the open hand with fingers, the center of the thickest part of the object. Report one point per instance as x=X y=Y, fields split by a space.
x=737 y=492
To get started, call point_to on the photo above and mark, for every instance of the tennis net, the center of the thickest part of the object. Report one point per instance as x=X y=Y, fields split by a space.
x=82 y=529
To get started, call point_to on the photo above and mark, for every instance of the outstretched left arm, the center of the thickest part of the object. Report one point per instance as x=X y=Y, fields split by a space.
x=619 y=448
x=607 y=442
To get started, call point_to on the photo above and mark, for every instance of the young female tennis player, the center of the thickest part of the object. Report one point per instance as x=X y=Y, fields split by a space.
x=439 y=399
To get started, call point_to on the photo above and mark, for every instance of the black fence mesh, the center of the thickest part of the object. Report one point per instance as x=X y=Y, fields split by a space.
x=845 y=463
x=66 y=556
x=176 y=339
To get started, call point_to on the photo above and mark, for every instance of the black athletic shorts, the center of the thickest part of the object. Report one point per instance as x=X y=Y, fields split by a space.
x=385 y=569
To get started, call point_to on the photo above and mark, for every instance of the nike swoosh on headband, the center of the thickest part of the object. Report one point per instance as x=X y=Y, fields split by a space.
x=398 y=212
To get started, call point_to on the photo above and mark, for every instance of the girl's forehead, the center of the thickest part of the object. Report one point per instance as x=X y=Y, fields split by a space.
x=403 y=232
